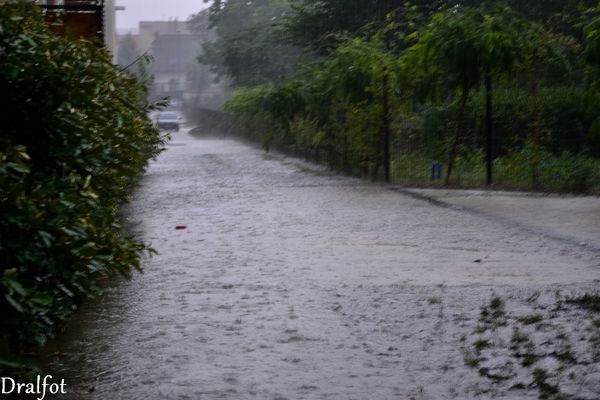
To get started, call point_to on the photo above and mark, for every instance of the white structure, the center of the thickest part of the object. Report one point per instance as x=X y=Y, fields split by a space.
x=110 y=26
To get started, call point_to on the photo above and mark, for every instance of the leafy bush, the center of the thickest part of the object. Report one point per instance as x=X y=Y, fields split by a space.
x=563 y=173
x=334 y=105
x=75 y=137
x=566 y=172
x=566 y=121
x=255 y=112
x=546 y=124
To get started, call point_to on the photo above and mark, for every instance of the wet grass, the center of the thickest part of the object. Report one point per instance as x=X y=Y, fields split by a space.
x=523 y=348
x=518 y=338
x=473 y=361
x=588 y=301
x=545 y=334
x=547 y=390
x=492 y=315
x=529 y=358
x=531 y=319
x=518 y=386
x=481 y=344
x=486 y=372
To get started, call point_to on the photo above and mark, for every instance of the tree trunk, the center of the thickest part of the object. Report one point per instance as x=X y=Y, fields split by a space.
x=459 y=129
x=490 y=133
x=386 y=126
x=535 y=138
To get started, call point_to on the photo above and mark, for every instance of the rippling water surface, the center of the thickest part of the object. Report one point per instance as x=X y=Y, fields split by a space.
x=291 y=283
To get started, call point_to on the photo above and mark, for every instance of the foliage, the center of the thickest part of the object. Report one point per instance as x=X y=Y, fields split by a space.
x=437 y=55
x=248 y=48
x=77 y=139
x=592 y=52
x=457 y=49
x=567 y=123
x=332 y=106
x=259 y=41
x=319 y=25
x=565 y=172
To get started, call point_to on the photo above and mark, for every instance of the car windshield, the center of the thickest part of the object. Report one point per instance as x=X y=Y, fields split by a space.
x=167 y=116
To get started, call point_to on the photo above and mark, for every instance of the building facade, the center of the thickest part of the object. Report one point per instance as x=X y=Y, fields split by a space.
x=85 y=18
x=175 y=70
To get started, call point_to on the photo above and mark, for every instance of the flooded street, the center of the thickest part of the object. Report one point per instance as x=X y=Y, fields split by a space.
x=294 y=283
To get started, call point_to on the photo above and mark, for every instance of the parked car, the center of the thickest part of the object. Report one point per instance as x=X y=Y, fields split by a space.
x=168 y=120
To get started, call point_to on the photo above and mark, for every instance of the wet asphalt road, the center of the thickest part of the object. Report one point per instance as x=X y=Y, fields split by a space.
x=294 y=283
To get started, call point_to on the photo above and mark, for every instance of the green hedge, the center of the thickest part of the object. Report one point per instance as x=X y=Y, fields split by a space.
x=74 y=138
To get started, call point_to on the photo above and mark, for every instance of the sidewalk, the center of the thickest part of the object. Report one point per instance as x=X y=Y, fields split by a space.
x=575 y=219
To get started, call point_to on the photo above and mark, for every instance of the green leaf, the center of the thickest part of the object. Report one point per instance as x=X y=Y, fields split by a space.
x=12 y=364
x=42 y=299
x=16 y=287
x=17 y=306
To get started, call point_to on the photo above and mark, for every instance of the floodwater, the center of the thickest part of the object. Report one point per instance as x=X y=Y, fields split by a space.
x=294 y=283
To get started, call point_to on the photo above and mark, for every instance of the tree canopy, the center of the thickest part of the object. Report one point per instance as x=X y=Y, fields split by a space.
x=440 y=58
x=248 y=48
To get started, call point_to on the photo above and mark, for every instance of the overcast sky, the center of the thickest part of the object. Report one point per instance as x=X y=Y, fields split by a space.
x=155 y=10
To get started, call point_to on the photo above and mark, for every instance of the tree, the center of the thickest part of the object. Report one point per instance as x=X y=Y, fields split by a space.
x=545 y=60
x=460 y=48
x=591 y=54
x=321 y=24
x=591 y=58
x=248 y=47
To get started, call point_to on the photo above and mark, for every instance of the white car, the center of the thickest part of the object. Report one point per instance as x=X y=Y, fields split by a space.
x=168 y=120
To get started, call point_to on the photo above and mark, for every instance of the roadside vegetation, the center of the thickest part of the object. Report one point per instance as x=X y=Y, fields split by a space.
x=550 y=345
x=75 y=138
x=385 y=89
